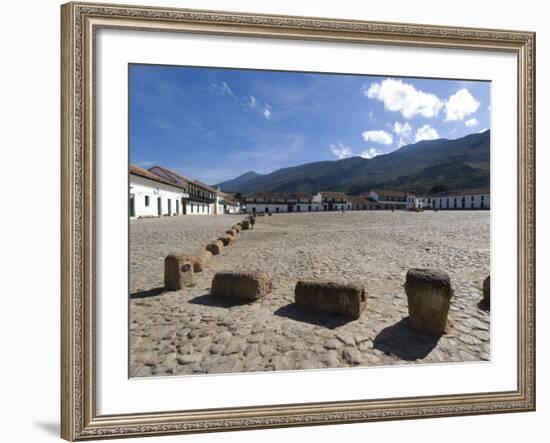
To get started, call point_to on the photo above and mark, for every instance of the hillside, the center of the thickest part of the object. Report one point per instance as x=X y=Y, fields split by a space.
x=456 y=164
x=239 y=181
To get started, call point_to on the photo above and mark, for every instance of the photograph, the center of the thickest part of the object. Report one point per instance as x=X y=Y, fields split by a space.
x=283 y=221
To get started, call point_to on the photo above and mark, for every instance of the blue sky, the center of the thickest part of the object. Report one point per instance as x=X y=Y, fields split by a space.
x=215 y=124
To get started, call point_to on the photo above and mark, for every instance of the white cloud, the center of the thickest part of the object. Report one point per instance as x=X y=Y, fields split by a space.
x=222 y=89
x=460 y=105
x=426 y=132
x=267 y=111
x=371 y=115
x=402 y=129
x=483 y=130
x=252 y=102
x=382 y=137
x=471 y=122
x=340 y=150
x=370 y=153
x=403 y=97
x=227 y=90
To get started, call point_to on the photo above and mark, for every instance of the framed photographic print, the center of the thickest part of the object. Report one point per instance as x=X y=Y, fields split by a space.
x=282 y=221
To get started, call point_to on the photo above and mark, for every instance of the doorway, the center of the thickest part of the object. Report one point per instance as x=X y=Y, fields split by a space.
x=159 y=206
x=132 y=205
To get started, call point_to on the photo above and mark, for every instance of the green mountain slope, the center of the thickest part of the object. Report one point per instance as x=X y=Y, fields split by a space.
x=457 y=164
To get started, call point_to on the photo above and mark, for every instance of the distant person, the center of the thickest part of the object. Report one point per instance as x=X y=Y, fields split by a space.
x=252 y=221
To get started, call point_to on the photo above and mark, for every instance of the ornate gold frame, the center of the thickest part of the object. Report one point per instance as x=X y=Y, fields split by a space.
x=79 y=420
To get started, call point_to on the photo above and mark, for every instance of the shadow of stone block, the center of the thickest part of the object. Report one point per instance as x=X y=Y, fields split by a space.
x=219 y=302
x=318 y=318
x=148 y=293
x=402 y=341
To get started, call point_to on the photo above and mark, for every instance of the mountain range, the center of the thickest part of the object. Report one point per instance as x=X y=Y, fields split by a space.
x=420 y=167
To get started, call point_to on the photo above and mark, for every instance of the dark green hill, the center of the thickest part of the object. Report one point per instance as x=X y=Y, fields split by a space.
x=456 y=164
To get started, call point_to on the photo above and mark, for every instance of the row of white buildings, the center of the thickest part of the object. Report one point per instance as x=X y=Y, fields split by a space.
x=275 y=202
x=158 y=191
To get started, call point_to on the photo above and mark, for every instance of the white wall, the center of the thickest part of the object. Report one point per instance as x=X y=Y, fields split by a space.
x=199 y=208
x=29 y=375
x=448 y=202
x=266 y=207
x=170 y=197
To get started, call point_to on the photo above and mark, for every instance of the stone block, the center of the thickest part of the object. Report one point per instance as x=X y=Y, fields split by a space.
x=215 y=247
x=339 y=298
x=429 y=295
x=178 y=272
x=487 y=290
x=201 y=260
x=244 y=285
x=226 y=239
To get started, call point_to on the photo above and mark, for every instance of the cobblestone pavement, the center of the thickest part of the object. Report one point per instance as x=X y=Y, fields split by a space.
x=191 y=332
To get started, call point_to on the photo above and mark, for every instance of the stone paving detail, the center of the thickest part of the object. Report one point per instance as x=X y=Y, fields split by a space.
x=191 y=332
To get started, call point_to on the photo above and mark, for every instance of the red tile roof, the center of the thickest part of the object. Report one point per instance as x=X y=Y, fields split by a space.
x=462 y=192
x=136 y=170
x=388 y=193
x=180 y=179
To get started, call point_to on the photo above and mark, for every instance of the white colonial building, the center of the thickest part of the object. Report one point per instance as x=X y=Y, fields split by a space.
x=467 y=199
x=159 y=191
x=275 y=202
x=332 y=201
x=201 y=198
x=227 y=203
x=390 y=199
x=153 y=196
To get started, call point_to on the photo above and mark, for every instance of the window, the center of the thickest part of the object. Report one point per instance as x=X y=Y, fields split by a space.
x=146 y=200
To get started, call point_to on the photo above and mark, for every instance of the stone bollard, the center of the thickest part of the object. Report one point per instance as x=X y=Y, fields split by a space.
x=226 y=240
x=243 y=285
x=232 y=232
x=487 y=290
x=338 y=298
x=215 y=247
x=246 y=225
x=178 y=272
x=237 y=228
x=201 y=260
x=429 y=295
